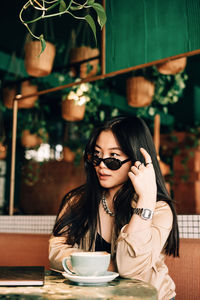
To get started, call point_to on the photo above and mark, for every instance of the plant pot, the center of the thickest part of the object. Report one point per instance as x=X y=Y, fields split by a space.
x=172 y=66
x=71 y=111
x=39 y=65
x=26 y=88
x=68 y=155
x=139 y=91
x=8 y=96
x=83 y=53
x=3 y=151
x=29 y=140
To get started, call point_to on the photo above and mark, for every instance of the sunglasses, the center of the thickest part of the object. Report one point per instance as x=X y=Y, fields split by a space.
x=110 y=162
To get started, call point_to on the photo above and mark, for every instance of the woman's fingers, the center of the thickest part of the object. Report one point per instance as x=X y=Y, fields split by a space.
x=138 y=164
x=142 y=176
x=147 y=157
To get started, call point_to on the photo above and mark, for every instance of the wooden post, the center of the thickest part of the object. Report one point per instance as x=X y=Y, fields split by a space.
x=13 y=156
x=157 y=133
x=103 y=46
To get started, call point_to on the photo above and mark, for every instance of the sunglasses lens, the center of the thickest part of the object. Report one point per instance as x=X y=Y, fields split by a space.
x=112 y=163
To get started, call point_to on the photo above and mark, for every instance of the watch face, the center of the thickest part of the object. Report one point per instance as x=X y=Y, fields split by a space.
x=147 y=214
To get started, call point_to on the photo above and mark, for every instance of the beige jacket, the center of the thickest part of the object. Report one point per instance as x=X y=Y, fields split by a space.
x=138 y=255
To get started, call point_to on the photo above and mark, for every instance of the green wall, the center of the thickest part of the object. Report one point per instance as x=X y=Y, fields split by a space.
x=139 y=32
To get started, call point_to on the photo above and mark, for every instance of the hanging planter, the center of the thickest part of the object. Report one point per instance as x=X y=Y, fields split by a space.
x=9 y=94
x=32 y=140
x=37 y=64
x=68 y=154
x=139 y=91
x=71 y=111
x=59 y=8
x=172 y=66
x=26 y=89
x=3 y=151
x=73 y=105
x=85 y=69
x=29 y=140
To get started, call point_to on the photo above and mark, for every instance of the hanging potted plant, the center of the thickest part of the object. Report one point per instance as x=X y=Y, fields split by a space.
x=73 y=105
x=36 y=64
x=152 y=90
x=33 y=130
x=168 y=88
x=83 y=50
x=3 y=147
x=26 y=88
x=139 y=91
x=80 y=11
x=173 y=66
x=85 y=69
x=78 y=133
x=3 y=150
x=71 y=143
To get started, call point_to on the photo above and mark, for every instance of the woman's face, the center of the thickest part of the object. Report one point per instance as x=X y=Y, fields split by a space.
x=108 y=146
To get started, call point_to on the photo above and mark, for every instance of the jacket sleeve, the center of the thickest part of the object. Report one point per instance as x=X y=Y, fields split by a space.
x=58 y=249
x=137 y=252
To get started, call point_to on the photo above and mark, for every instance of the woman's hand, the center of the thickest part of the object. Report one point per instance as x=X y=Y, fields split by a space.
x=143 y=178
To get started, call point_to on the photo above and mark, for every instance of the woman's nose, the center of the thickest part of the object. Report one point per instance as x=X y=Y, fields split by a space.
x=102 y=164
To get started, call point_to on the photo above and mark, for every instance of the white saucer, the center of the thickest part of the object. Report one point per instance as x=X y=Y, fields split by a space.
x=91 y=280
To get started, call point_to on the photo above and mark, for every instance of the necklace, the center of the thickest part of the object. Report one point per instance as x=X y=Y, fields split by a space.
x=105 y=206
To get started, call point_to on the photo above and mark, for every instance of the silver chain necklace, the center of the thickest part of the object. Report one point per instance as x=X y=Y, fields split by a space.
x=105 y=206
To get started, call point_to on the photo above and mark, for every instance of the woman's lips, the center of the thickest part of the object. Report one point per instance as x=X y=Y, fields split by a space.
x=103 y=176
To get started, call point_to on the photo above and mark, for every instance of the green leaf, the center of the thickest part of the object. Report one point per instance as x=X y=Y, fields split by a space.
x=101 y=15
x=90 y=2
x=43 y=44
x=90 y=21
x=62 y=6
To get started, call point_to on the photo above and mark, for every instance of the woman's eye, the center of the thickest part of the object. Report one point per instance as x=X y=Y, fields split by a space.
x=114 y=154
x=96 y=152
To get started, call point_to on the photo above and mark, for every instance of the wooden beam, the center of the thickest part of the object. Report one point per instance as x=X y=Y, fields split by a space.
x=112 y=74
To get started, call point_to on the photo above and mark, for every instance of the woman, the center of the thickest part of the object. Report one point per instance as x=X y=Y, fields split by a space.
x=123 y=208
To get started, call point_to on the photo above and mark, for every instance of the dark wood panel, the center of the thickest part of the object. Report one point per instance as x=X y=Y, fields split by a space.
x=54 y=180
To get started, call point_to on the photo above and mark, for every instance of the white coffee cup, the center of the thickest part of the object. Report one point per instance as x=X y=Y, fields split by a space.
x=87 y=263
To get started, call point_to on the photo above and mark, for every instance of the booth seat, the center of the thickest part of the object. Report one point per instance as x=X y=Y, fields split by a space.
x=32 y=250
x=185 y=270
x=22 y=249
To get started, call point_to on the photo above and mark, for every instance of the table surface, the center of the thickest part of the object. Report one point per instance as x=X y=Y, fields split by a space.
x=58 y=287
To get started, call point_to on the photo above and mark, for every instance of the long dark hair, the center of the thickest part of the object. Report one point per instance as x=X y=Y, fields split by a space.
x=81 y=205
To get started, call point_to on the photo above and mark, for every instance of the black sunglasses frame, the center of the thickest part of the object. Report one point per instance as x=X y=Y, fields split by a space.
x=95 y=160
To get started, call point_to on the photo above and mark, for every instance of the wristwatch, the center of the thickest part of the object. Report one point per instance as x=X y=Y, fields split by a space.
x=144 y=213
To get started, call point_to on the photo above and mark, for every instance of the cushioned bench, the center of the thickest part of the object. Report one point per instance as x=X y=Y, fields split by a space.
x=18 y=249
x=185 y=270
x=32 y=249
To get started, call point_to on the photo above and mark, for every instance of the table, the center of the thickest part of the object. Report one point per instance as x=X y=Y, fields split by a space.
x=57 y=287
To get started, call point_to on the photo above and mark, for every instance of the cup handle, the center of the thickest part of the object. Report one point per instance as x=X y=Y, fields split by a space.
x=64 y=263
